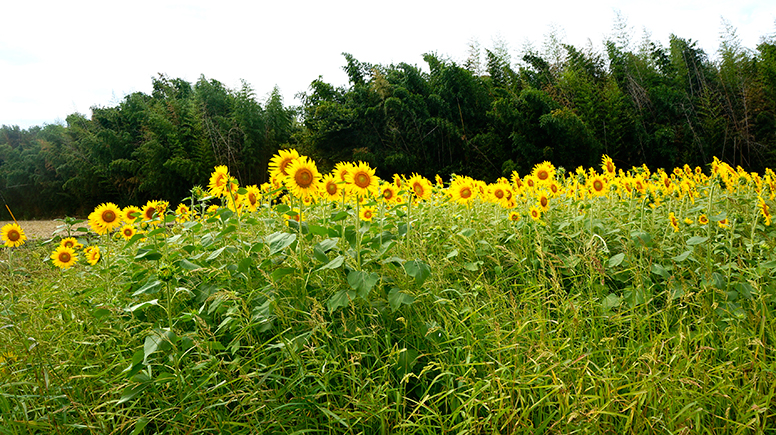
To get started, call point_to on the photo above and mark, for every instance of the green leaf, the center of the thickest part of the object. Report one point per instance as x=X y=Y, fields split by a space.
x=362 y=282
x=188 y=265
x=473 y=266
x=683 y=256
x=147 y=254
x=317 y=230
x=280 y=241
x=660 y=270
x=641 y=238
x=340 y=299
x=615 y=260
x=213 y=255
x=150 y=287
x=418 y=270
x=131 y=392
x=451 y=254
x=696 y=240
x=333 y=264
x=327 y=244
x=339 y=216
x=396 y=298
x=611 y=301
x=280 y=273
x=136 y=307
x=467 y=232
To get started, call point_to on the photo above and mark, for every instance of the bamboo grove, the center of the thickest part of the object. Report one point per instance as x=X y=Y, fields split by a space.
x=485 y=117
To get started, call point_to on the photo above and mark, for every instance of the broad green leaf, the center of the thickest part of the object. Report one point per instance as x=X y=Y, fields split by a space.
x=696 y=240
x=188 y=265
x=362 y=282
x=136 y=307
x=472 y=266
x=396 y=298
x=150 y=287
x=317 y=230
x=683 y=256
x=467 y=232
x=280 y=241
x=280 y=273
x=147 y=254
x=333 y=264
x=339 y=216
x=615 y=260
x=451 y=254
x=641 y=238
x=131 y=392
x=611 y=301
x=660 y=270
x=213 y=255
x=418 y=270
x=327 y=244
x=340 y=299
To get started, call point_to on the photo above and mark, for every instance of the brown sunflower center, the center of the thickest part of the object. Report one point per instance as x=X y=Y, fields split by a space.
x=109 y=216
x=303 y=178
x=466 y=193
x=282 y=166
x=362 y=180
x=13 y=235
x=331 y=188
x=65 y=257
x=544 y=201
x=598 y=185
x=498 y=193
x=418 y=189
x=542 y=175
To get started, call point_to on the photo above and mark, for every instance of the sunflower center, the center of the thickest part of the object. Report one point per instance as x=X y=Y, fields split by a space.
x=418 y=189
x=282 y=166
x=149 y=214
x=108 y=216
x=14 y=235
x=64 y=257
x=466 y=193
x=498 y=193
x=252 y=198
x=542 y=175
x=598 y=185
x=610 y=167
x=331 y=188
x=362 y=180
x=388 y=194
x=543 y=200
x=303 y=178
x=69 y=244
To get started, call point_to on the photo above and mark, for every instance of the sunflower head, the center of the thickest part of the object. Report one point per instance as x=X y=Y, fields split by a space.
x=361 y=180
x=64 y=257
x=218 y=181
x=279 y=163
x=130 y=213
x=92 y=254
x=12 y=235
x=366 y=214
x=70 y=242
x=514 y=216
x=303 y=178
x=105 y=218
x=544 y=172
x=419 y=186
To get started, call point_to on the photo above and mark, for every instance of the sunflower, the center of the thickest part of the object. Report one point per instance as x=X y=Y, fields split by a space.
x=182 y=213
x=105 y=218
x=303 y=177
x=673 y=221
x=64 y=257
x=497 y=193
x=608 y=166
x=130 y=213
x=420 y=186
x=544 y=201
x=361 y=180
x=514 y=216
x=218 y=181
x=92 y=254
x=439 y=182
x=127 y=231
x=529 y=181
x=462 y=190
x=154 y=211
x=703 y=220
x=70 y=242
x=366 y=214
x=597 y=185
x=535 y=212
x=764 y=210
x=278 y=165
x=389 y=192
x=12 y=235
x=724 y=223
x=330 y=188
x=341 y=170
x=544 y=172
x=398 y=180
x=252 y=198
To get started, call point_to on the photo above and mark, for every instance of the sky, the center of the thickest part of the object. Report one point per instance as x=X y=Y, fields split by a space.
x=61 y=57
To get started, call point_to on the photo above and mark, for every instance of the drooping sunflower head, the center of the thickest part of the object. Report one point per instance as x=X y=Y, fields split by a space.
x=361 y=180
x=64 y=257
x=279 y=163
x=105 y=218
x=303 y=177
x=12 y=235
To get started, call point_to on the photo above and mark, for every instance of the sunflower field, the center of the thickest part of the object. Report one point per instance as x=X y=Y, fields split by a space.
x=594 y=300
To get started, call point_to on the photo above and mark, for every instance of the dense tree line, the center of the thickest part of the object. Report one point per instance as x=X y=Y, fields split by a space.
x=485 y=117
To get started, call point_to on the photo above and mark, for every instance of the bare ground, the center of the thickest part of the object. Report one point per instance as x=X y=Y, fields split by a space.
x=36 y=230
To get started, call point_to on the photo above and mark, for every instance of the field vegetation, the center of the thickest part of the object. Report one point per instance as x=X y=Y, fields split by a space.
x=582 y=300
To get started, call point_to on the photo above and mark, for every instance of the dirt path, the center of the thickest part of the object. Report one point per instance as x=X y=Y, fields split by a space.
x=40 y=230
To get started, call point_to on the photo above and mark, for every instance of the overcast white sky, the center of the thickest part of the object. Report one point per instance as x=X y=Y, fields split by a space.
x=59 y=57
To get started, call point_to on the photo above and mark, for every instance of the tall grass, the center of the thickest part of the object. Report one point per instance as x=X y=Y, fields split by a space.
x=596 y=318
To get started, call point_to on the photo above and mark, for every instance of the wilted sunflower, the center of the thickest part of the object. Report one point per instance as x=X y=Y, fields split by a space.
x=279 y=163
x=105 y=218
x=361 y=180
x=12 y=235
x=92 y=254
x=303 y=177
x=64 y=257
